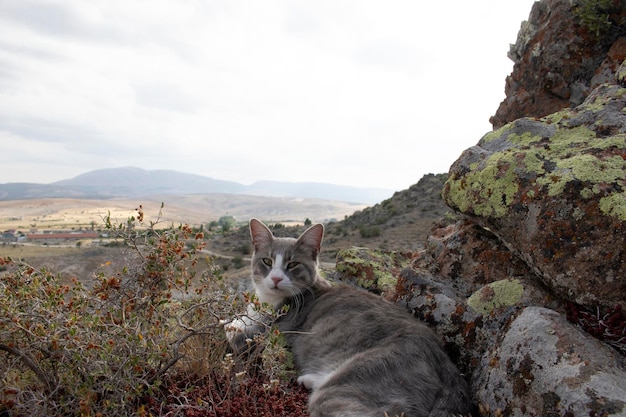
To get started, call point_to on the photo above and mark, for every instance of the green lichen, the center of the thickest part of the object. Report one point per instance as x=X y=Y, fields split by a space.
x=525 y=139
x=614 y=205
x=621 y=73
x=492 y=184
x=371 y=269
x=491 y=188
x=572 y=165
x=504 y=293
x=496 y=134
x=558 y=118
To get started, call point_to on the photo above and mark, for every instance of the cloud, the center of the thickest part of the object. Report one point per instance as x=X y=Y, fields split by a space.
x=166 y=96
x=355 y=92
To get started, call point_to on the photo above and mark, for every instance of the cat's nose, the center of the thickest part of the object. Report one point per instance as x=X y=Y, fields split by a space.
x=276 y=281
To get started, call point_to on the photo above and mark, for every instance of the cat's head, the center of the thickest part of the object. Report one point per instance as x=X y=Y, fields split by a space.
x=282 y=266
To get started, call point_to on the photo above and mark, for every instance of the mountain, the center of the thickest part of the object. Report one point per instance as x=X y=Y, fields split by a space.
x=129 y=181
x=136 y=182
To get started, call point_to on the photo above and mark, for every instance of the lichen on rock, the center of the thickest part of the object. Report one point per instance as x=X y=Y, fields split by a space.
x=374 y=270
x=554 y=190
x=496 y=295
x=544 y=366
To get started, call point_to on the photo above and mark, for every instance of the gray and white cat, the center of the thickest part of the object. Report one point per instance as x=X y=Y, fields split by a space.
x=358 y=354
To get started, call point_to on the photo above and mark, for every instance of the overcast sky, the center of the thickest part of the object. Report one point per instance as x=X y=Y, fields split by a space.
x=358 y=92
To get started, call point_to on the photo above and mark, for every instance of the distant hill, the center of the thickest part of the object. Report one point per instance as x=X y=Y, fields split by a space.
x=136 y=182
x=401 y=222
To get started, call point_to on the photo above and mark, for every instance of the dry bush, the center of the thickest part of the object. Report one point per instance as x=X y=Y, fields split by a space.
x=125 y=345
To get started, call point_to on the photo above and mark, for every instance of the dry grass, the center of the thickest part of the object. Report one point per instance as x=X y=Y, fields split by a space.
x=67 y=214
x=32 y=251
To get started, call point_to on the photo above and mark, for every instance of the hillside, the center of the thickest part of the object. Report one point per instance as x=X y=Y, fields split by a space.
x=401 y=223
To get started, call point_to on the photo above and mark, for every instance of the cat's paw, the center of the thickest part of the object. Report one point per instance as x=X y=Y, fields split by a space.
x=313 y=381
x=236 y=334
x=234 y=328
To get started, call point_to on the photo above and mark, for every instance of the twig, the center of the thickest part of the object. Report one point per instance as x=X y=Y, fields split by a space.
x=30 y=363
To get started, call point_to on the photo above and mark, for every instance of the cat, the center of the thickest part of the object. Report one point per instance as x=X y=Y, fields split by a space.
x=358 y=354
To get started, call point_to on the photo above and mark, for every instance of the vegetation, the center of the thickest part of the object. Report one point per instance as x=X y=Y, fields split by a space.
x=369 y=231
x=595 y=15
x=145 y=340
x=609 y=326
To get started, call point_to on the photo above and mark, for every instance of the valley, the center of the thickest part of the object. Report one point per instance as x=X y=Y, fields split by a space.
x=400 y=223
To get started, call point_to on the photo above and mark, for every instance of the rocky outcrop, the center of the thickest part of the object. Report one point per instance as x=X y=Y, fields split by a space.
x=564 y=51
x=527 y=287
x=554 y=192
x=466 y=256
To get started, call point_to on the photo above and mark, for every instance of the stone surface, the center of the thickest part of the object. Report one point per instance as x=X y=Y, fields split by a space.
x=466 y=256
x=374 y=270
x=560 y=55
x=554 y=192
x=461 y=328
x=544 y=366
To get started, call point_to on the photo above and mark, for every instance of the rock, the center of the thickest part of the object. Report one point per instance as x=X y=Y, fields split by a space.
x=554 y=192
x=466 y=256
x=465 y=324
x=374 y=270
x=561 y=54
x=607 y=72
x=544 y=366
x=461 y=329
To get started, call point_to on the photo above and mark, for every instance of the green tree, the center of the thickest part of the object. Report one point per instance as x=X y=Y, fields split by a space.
x=227 y=223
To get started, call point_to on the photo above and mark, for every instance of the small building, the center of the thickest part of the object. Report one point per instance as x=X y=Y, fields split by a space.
x=8 y=236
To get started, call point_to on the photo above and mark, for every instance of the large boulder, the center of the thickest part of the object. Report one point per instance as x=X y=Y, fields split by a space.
x=564 y=50
x=554 y=192
x=544 y=366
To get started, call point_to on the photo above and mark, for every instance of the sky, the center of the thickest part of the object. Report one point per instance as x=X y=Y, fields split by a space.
x=356 y=92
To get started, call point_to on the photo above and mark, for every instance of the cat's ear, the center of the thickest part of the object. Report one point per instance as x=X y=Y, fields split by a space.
x=312 y=237
x=261 y=234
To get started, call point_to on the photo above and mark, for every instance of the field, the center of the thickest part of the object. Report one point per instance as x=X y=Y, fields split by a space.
x=83 y=261
x=76 y=214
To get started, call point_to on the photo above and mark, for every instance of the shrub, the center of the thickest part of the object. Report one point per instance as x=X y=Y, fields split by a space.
x=595 y=15
x=238 y=262
x=111 y=350
x=369 y=231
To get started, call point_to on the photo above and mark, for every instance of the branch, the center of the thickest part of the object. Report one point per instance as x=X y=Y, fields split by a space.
x=30 y=363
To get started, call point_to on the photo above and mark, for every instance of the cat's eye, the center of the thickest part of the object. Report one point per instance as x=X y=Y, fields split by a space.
x=268 y=261
x=292 y=265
